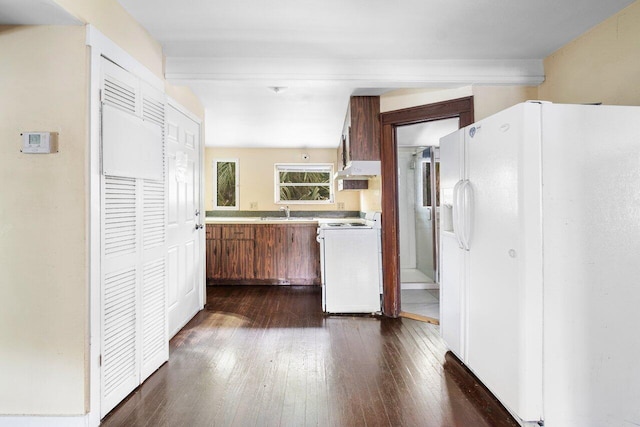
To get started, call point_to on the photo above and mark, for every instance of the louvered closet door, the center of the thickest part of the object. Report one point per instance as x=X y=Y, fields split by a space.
x=134 y=245
x=183 y=185
x=120 y=369
x=154 y=346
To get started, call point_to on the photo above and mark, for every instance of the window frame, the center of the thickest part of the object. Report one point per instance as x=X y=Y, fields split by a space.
x=308 y=167
x=215 y=184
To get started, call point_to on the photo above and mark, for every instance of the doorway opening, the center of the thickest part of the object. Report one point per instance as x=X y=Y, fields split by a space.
x=393 y=122
x=418 y=157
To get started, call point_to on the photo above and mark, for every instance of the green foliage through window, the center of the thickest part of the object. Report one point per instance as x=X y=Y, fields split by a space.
x=226 y=176
x=304 y=183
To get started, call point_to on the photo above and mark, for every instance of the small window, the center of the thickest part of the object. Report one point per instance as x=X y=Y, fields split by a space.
x=304 y=183
x=225 y=184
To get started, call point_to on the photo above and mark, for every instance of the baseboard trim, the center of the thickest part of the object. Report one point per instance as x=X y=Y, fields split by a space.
x=420 y=318
x=263 y=282
x=44 y=421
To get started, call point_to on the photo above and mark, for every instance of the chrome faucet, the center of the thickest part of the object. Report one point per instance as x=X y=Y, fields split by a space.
x=286 y=211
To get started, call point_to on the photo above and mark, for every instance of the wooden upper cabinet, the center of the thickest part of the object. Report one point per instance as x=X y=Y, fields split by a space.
x=360 y=138
x=363 y=139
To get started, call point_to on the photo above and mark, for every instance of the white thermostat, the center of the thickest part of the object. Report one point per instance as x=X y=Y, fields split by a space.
x=39 y=142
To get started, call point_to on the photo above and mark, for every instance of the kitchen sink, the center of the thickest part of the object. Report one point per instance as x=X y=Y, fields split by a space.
x=284 y=218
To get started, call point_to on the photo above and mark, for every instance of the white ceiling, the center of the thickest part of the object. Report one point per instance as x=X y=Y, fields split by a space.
x=34 y=12
x=231 y=52
x=368 y=29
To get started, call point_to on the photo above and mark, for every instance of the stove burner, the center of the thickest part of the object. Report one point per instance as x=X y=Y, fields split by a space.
x=345 y=224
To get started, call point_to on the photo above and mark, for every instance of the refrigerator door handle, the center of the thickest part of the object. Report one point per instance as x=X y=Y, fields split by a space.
x=467 y=200
x=456 y=213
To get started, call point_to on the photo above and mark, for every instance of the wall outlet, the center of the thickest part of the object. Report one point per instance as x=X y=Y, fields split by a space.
x=340 y=206
x=253 y=205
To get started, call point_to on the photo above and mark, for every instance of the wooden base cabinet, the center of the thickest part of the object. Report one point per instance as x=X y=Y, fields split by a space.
x=302 y=255
x=282 y=254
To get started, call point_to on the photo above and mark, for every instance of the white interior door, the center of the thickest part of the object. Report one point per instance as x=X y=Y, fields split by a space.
x=184 y=219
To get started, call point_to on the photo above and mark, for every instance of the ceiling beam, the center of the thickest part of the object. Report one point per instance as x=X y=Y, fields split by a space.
x=359 y=73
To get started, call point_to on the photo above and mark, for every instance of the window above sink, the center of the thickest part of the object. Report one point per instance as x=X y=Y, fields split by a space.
x=307 y=183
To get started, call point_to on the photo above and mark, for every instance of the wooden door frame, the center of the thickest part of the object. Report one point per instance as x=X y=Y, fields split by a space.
x=461 y=108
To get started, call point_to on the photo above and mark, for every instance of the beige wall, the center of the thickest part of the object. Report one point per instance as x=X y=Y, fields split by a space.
x=187 y=99
x=406 y=98
x=116 y=23
x=256 y=166
x=371 y=198
x=488 y=100
x=120 y=27
x=43 y=205
x=602 y=65
x=43 y=268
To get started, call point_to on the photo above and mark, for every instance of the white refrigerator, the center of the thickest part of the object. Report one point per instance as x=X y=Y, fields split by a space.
x=540 y=260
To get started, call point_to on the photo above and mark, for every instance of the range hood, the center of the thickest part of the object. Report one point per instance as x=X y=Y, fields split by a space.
x=359 y=169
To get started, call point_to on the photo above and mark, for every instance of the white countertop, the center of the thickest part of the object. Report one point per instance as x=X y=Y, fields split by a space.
x=271 y=220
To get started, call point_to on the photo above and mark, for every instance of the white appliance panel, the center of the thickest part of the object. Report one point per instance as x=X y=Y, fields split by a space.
x=452 y=256
x=351 y=278
x=591 y=208
x=491 y=290
x=452 y=294
x=495 y=320
x=556 y=329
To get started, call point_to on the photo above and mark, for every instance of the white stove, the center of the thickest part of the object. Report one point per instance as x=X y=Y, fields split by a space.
x=370 y=220
x=344 y=225
x=351 y=264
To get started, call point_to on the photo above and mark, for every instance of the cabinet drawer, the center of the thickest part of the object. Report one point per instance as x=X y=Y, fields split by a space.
x=238 y=232
x=213 y=232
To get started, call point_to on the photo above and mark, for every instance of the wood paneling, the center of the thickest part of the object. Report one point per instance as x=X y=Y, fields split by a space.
x=263 y=254
x=238 y=259
x=353 y=184
x=303 y=254
x=213 y=231
x=266 y=253
x=364 y=142
x=360 y=140
x=238 y=231
x=267 y=356
x=390 y=243
x=461 y=108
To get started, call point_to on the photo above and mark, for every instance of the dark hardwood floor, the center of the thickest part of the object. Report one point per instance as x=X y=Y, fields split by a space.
x=267 y=356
